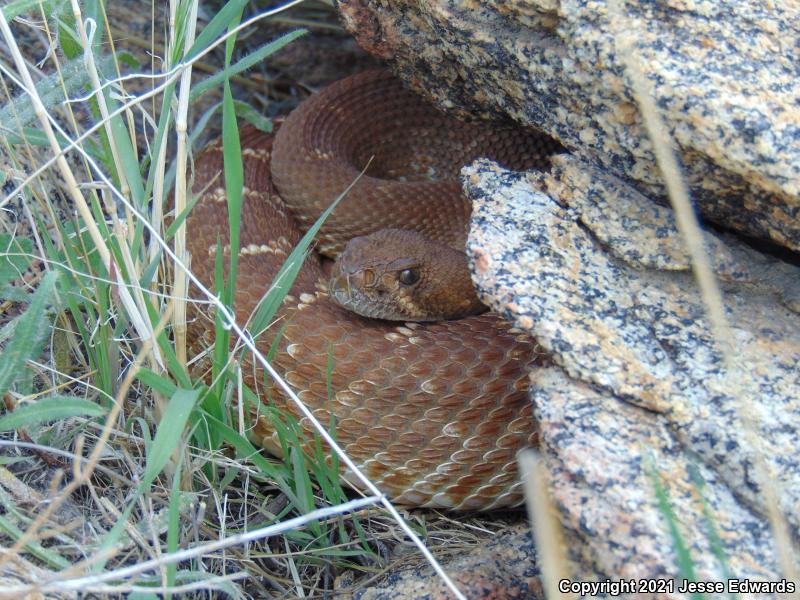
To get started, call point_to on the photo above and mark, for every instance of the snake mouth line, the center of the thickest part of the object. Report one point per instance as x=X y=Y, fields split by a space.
x=343 y=293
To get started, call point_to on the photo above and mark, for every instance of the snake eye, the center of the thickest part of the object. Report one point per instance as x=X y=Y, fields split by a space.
x=409 y=276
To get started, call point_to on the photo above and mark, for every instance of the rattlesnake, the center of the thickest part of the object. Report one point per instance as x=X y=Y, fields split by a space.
x=434 y=413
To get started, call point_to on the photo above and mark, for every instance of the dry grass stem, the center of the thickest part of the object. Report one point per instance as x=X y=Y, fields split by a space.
x=91 y=68
x=551 y=550
x=180 y=281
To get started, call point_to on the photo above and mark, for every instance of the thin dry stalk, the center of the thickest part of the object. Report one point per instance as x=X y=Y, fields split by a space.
x=91 y=68
x=551 y=550
x=180 y=283
x=738 y=383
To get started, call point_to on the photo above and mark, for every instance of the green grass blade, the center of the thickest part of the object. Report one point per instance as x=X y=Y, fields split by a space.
x=290 y=268
x=233 y=167
x=156 y=382
x=222 y=333
x=714 y=539
x=169 y=433
x=252 y=59
x=234 y=181
x=36 y=549
x=53 y=408
x=174 y=524
x=229 y=15
x=684 y=559
x=173 y=227
x=251 y=114
x=68 y=38
x=303 y=487
x=126 y=153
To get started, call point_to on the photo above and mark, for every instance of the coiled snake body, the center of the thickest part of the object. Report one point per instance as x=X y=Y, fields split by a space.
x=434 y=413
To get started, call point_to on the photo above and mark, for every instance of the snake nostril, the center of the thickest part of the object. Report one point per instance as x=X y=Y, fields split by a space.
x=366 y=277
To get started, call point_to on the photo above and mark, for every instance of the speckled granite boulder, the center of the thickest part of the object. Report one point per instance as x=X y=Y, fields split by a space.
x=596 y=272
x=724 y=73
x=504 y=569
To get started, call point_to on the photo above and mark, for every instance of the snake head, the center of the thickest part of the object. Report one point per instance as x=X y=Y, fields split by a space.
x=401 y=275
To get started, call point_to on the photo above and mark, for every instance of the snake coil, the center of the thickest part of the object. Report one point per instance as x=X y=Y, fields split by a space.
x=433 y=413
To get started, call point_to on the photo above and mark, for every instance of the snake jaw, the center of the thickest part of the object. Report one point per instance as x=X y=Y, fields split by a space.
x=364 y=300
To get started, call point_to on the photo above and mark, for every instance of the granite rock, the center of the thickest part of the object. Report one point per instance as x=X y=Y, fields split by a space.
x=640 y=392
x=723 y=73
x=503 y=569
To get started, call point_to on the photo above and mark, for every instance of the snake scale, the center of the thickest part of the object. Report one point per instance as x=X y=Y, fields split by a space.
x=433 y=413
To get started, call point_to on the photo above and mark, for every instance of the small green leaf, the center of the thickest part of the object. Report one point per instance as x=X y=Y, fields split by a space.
x=169 y=432
x=14 y=257
x=30 y=334
x=234 y=170
x=53 y=408
x=68 y=38
x=252 y=115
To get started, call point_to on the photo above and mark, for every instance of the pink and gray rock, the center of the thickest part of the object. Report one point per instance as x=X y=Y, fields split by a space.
x=596 y=272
